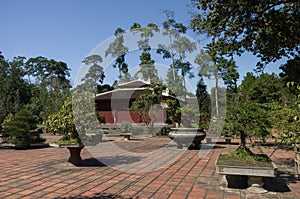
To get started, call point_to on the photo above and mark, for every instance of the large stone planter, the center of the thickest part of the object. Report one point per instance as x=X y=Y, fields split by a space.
x=189 y=137
x=254 y=175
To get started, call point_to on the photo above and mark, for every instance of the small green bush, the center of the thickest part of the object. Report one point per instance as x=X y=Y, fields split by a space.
x=20 y=128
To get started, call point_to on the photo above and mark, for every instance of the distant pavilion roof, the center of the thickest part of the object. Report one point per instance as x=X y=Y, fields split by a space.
x=124 y=93
x=134 y=84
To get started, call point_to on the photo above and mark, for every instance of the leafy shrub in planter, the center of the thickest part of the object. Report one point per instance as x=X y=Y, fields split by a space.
x=62 y=123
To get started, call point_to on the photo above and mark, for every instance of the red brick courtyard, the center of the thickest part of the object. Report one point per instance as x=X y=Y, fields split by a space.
x=44 y=173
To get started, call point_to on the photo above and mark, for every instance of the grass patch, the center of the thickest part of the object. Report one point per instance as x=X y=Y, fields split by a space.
x=244 y=158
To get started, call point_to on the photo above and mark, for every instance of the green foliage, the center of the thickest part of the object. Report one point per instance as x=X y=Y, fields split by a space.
x=101 y=119
x=49 y=85
x=95 y=73
x=86 y=119
x=62 y=122
x=215 y=66
x=147 y=68
x=117 y=50
x=5 y=122
x=203 y=97
x=265 y=88
x=291 y=73
x=177 y=47
x=246 y=119
x=67 y=140
x=244 y=158
x=189 y=116
x=287 y=123
x=173 y=111
x=143 y=104
x=104 y=88
x=7 y=119
x=268 y=29
x=39 y=84
x=14 y=90
x=204 y=104
x=20 y=126
x=174 y=83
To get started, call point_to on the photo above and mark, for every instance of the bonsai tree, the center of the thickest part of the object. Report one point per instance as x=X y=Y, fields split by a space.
x=21 y=127
x=246 y=119
x=142 y=106
x=62 y=122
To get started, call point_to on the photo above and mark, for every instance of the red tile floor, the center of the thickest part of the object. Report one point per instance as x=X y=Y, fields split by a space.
x=44 y=173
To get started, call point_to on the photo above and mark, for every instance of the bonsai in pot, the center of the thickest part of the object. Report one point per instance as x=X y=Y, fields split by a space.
x=246 y=120
x=62 y=123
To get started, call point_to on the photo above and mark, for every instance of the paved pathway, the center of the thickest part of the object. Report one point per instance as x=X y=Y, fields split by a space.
x=44 y=173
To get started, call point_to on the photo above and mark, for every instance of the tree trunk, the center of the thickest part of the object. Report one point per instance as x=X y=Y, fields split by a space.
x=216 y=95
x=243 y=139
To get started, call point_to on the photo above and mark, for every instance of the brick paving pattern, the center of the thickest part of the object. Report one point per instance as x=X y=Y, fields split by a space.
x=44 y=173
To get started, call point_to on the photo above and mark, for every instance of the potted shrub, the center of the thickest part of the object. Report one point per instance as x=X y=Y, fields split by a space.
x=62 y=123
x=247 y=120
x=21 y=129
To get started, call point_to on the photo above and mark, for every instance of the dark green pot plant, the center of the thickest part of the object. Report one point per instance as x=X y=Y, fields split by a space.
x=246 y=120
x=62 y=123
x=20 y=128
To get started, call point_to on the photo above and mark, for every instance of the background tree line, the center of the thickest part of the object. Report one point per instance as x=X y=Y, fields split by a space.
x=37 y=84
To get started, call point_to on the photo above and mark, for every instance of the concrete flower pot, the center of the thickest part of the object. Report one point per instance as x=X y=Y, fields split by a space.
x=187 y=136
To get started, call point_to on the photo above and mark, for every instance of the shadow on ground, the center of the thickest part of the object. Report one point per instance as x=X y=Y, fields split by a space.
x=118 y=160
x=288 y=177
x=276 y=184
x=273 y=184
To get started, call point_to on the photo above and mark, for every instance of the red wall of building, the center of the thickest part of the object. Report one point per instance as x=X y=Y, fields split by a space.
x=128 y=116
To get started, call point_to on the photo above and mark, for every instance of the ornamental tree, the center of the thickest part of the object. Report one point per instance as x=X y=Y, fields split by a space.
x=20 y=128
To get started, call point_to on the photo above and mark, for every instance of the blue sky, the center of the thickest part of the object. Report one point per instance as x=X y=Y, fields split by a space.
x=67 y=30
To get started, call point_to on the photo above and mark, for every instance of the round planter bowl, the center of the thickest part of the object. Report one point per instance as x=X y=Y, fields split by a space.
x=189 y=137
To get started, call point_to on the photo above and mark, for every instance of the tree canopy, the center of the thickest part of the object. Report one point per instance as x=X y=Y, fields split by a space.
x=268 y=29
